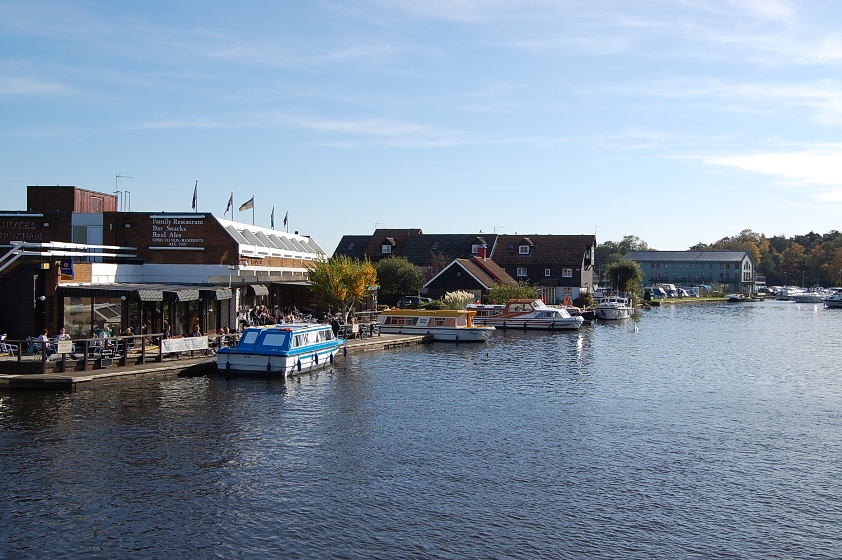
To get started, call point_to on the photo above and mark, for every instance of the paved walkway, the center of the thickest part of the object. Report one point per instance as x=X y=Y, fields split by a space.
x=197 y=366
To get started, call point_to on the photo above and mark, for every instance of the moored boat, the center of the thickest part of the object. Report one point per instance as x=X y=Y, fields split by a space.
x=453 y=325
x=614 y=307
x=834 y=300
x=808 y=297
x=281 y=350
x=526 y=314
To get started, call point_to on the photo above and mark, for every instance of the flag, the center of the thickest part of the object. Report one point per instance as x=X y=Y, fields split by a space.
x=248 y=204
x=230 y=206
x=196 y=195
x=272 y=219
x=285 y=218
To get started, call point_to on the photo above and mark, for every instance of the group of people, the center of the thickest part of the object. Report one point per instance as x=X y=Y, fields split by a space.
x=261 y=315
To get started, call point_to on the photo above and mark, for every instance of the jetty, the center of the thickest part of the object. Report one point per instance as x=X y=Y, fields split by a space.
x=29 y=374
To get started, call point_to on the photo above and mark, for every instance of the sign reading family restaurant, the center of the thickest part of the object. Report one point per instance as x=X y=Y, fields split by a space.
x=178 y=232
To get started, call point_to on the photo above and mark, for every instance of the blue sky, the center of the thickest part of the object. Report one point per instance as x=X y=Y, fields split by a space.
x=676 y=121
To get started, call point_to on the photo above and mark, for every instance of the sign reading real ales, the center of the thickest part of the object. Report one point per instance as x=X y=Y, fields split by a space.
x=178 y=231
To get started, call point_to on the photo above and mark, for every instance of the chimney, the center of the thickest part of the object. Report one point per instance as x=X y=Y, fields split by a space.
x=481 y=252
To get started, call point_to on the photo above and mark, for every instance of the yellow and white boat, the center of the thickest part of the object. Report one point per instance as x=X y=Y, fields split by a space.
x=442 y=324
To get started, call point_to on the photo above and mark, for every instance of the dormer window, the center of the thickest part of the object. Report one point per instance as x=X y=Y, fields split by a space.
x=435 y=245
x=475 y=248
x=386 y=249
x=350 y=245
x=523 y=250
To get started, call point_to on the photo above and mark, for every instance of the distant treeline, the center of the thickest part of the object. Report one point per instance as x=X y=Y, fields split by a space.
x=809 y=260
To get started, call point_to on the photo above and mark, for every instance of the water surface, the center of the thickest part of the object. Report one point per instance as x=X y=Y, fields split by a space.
x=712 y=432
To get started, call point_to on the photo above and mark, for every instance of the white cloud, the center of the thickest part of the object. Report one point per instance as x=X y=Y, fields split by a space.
x=29 y=86
x=819 y=168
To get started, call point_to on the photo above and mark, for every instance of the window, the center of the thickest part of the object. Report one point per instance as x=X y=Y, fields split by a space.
x=521 y=271
x=721 y=266
x=523 y=250
x=658 y=266
x=567 y=272
x=651 y=265
x=350 y=245
x=386 y=249
x=510 y=246
x=666 y=265
x=475 y=247
x=547 y=272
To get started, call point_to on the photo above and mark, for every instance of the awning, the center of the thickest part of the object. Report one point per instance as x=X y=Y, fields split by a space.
x=112 y=291
x=216 y=293
x=150 y=295
x=182 y=294
x=259 y=289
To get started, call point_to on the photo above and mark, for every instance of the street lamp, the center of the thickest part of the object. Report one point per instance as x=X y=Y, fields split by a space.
x=785 y=280
x=802 y=278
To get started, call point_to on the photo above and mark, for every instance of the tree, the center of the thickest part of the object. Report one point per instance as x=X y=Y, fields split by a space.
x=501 y=293
x=437 y=263
x=398 y=276
x=341 y=281
x=626 y=276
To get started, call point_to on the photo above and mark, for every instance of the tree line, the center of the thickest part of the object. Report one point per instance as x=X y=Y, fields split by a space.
x=809 y=260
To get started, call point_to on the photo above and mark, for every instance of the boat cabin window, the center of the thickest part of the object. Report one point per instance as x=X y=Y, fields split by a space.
x=520 y=307
x=249 y=337
x=275 y=339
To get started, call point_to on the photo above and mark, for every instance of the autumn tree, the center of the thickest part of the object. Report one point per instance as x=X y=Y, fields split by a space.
x=341 y=281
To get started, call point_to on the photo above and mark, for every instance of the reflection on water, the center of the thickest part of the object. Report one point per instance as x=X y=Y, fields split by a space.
x=712 y=431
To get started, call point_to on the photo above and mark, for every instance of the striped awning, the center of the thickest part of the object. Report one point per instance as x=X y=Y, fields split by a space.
x=182 y=294
x=259 y=289
x=217 y=293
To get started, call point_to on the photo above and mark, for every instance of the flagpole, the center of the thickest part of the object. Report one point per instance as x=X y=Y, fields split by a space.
x=252 y=210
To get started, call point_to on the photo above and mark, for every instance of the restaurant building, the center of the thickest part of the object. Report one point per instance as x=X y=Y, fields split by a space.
x=73 y=260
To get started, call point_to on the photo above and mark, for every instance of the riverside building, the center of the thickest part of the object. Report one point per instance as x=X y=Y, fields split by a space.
x=73 y=259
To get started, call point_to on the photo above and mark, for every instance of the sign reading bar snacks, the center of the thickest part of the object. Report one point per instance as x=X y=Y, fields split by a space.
x=178 y=231
x=170 y=345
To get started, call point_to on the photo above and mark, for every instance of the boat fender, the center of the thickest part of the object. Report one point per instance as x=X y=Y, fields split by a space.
x=316 y=357
x=269 y=365
x=345 y=351
x=331 y=358
x=227 y=364
x=299 y=364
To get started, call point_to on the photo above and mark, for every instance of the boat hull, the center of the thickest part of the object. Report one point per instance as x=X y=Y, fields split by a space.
x=253 y=363
x=446 y=334
x=833 y=303
x=565 y=324
x=613 y=313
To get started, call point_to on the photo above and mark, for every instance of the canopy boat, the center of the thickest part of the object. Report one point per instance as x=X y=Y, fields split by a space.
x=526 y=314
x=442 y=324
x=613 y=307
x=281 y=350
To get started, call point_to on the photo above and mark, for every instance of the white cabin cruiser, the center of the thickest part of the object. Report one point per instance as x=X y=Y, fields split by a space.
x=526 y=314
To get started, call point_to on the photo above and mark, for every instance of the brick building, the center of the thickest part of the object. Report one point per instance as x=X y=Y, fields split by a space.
x=73 y=260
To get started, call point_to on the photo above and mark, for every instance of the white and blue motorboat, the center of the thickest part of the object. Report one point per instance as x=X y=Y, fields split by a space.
x=281 y=350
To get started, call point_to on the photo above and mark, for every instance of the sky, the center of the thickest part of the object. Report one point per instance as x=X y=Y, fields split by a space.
x=676 y=121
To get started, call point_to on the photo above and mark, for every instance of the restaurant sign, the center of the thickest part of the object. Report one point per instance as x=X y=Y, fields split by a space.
x=178 y=231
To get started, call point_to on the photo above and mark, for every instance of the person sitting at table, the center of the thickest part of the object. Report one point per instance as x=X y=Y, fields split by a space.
x=62 y=335
x=43 y=341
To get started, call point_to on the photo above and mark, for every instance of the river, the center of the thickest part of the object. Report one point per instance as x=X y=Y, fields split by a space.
x=711 y=431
